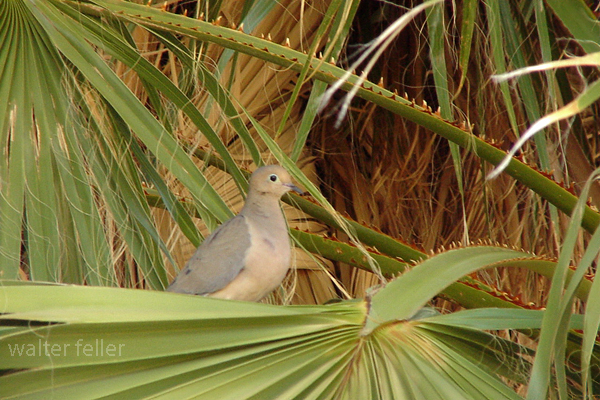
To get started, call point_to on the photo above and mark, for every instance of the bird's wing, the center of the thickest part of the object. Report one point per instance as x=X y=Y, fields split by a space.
x=217 y=261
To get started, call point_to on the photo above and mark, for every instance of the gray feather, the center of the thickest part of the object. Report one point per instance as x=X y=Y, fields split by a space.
x=217 y=261
x=248 y=256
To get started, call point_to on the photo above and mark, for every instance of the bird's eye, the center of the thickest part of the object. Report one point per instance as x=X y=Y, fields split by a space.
x=273 y=178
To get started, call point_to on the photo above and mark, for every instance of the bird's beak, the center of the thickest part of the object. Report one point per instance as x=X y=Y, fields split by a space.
x=294 y=188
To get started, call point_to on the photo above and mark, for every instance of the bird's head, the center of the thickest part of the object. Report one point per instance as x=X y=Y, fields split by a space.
x=272 y=180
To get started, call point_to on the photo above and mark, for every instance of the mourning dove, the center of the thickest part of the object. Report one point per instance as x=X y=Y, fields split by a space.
x=248 y=256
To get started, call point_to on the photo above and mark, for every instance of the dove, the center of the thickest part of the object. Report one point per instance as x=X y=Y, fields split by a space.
x=248 y=256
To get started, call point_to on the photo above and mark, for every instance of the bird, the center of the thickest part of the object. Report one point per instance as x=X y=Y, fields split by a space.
x=248 y=256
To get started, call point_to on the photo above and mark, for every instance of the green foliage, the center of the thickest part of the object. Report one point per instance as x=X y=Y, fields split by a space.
x=86 y=161
x=134 y=344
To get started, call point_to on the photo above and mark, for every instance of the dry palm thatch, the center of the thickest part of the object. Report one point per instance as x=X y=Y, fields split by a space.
x=262 y=90
x=401 y=179
x=380 y=169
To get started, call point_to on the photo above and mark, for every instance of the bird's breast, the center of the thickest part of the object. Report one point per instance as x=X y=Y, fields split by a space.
x=268 y=258
x=270 y=248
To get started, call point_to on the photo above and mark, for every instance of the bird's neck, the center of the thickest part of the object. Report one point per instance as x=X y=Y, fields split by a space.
x=262 y=205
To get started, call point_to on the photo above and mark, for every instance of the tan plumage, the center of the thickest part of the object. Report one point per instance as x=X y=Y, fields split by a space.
x=248 y=256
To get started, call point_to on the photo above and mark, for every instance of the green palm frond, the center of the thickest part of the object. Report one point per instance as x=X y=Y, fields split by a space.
x=116 y=111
